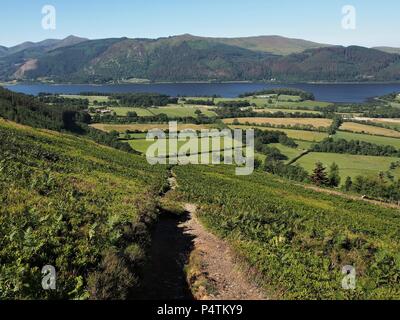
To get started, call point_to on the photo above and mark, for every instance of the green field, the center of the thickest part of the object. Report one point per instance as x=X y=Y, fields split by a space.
x=368 y=129
x=273 y=110
x=386 y=141
x=282 y=103
x=144 y=127
x=90 y=98
x=350 y=165
x=142 y=145
x=302 y=135
x=172 y=111
x=292 y=153
x=297 y=240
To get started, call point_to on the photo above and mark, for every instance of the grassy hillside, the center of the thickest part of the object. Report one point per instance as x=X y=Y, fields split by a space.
x=272 y=44
x=76 y=205
x=298 y=239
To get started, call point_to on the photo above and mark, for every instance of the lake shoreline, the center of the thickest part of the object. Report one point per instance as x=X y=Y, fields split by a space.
x=328 y=92
x=26 y=83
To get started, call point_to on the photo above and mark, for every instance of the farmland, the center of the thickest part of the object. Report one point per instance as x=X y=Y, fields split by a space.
x=143 y=127
x=302 y=135
x=90 y=209
x=363 y=128
x=273 y=110
x=350 y=165
x=287 y=102
x=171 y=111
x=381 y=140
x=316 y=123
x=203 y=144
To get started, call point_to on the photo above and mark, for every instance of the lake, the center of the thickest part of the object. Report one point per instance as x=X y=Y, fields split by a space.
x=323 y=92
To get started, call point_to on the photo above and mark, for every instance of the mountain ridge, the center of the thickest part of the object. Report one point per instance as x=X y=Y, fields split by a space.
x=192 y=58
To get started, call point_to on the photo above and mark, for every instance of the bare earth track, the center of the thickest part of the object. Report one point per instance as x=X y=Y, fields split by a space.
x=219 y=263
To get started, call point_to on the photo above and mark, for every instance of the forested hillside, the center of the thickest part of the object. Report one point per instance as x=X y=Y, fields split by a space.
x=189 y=58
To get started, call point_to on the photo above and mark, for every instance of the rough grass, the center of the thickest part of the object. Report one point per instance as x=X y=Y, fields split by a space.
x=76 y=205
x=298 y=239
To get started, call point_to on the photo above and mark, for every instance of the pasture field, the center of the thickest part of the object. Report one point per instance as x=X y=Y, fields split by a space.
x=123 y=111
x=302 y=104
x=171 y=111
x=391 y=123
x=133 y=135
x=316 y=123
x=143 y=127
x=90 y=98
x=297 y=240
x=349 y=165
x=380 y=120
x=363 y=128
x=142 y=145
x=273 y=110
x=386 y=141
x=302 y=135
x=290 y=153
x=264 y=102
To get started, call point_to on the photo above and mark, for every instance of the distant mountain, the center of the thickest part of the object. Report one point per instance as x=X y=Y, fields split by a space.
x=45 y=45
x=388 y=49
x=337 y=64
x=3 y=51
x=272 y=44
x=191 y=58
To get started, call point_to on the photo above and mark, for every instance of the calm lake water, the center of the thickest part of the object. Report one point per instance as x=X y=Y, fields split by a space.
x=323 y=92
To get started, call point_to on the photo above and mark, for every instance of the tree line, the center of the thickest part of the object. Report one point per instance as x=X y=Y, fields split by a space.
x=355 y=147
x=35 y=112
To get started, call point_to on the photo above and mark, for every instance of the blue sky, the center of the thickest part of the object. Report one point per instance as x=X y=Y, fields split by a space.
x=378 y=22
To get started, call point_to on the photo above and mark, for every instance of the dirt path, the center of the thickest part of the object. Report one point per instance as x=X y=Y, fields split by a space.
x=218 y=263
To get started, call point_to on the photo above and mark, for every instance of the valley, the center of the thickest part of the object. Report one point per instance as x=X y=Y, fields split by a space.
x=296 y=217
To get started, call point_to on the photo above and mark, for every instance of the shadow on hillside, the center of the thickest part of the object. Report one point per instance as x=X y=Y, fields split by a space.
x=164 y=277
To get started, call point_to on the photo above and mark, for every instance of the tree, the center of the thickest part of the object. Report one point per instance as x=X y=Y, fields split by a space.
x=348 y=184
x=334 y=176
x=319 y=176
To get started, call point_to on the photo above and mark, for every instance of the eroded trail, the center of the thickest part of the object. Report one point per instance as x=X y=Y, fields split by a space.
x=218 y=263
x=174 y=240
x=164 y=277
